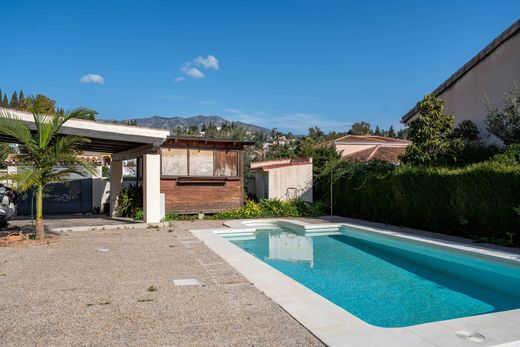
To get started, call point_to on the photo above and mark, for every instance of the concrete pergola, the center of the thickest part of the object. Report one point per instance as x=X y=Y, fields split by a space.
x=123 y=142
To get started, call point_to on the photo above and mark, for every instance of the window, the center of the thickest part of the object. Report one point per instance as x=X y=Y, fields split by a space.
x=174 y=162
x=199 y=162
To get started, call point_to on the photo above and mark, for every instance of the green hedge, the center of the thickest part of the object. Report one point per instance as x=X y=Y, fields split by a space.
x=477 y=201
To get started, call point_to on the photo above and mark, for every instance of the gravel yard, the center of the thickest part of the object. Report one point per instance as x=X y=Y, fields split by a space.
x=115 y=287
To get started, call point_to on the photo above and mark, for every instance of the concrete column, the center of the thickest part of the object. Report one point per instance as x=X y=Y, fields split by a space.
x=152 y=187
x=116 y=182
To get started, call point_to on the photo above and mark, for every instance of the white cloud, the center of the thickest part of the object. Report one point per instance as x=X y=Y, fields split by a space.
x=193 y=72
x=92 y=78
x=210 y=62
x=190 y=68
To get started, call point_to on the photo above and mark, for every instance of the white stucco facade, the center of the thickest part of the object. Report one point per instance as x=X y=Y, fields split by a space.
x=283 y=179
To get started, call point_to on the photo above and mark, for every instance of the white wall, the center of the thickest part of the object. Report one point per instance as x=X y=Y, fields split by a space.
x=295 y=178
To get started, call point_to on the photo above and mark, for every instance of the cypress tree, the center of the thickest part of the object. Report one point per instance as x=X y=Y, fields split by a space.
x=5 y=101
x=0 y=97
x=14 y=100
x=21 y=99
x=391 y=132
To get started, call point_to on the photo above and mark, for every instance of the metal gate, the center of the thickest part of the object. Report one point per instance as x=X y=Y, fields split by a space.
x=61 y=198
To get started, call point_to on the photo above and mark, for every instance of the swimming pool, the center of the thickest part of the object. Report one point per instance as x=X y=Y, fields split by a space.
x=387 y=282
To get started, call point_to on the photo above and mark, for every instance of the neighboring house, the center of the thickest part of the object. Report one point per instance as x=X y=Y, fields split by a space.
x=202 y=175
x=490 y=75
x=364 y=148
x=283 y=179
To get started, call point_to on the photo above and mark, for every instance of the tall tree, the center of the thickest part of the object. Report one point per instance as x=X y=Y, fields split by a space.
x=377 y=131
x=5 y=101
x=361 y=128
x=21 y=98
x=431 y=135
x=14 y=101
x=391 y=132
x=44 y=152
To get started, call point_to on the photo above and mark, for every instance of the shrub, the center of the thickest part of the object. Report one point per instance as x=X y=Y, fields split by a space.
x=474 y=201
x=138 y=214
x=273 y=208
x=129 y=200
x=170 y=216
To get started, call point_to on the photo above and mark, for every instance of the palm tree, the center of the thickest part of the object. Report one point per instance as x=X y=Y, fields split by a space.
x=47 y=157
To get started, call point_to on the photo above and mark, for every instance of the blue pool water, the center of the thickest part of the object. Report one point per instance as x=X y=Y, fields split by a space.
x=385 y=281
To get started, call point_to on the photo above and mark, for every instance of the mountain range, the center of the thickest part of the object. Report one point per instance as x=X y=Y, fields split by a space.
x=186 y=122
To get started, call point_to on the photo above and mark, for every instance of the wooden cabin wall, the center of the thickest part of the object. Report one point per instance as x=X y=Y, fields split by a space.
x=195 y=197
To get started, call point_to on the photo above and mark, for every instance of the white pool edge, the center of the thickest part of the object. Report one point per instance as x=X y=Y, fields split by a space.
x=335 y=326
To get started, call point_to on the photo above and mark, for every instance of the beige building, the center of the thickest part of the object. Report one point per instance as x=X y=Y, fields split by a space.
x=283 y=179
x=490 y=75
x=364 y=148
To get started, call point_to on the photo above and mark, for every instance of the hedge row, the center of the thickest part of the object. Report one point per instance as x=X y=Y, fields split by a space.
x=476 y=201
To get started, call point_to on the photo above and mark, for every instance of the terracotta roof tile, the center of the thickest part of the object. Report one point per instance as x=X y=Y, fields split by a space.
x=370 y=139
x=388 y=154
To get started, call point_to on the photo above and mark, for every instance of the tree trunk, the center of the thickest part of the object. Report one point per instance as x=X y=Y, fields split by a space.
x=40 y=232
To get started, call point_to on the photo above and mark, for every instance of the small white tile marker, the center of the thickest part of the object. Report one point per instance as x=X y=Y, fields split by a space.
x=102 y=249
x=186 y=282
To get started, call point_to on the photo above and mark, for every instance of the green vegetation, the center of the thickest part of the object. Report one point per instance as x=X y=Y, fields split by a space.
x=269 y=208
x=505 y=123
x=40 y=103
x=431 y=136
x=475 y=201
x=43 y=151
x=130 y=202
x=170 y=217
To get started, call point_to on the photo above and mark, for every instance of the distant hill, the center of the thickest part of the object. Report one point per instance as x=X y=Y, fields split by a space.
x=186 y=122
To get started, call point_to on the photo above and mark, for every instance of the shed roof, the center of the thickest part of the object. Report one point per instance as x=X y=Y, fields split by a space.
x=266 y=165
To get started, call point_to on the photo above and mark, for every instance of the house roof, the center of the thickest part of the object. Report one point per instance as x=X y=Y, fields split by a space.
x=370 y=139
x=104 y=137
x=266 y=165
x=385 y=153
x=490 y=48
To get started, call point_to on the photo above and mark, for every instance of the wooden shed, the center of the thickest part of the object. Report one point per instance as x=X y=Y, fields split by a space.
x=202 y=175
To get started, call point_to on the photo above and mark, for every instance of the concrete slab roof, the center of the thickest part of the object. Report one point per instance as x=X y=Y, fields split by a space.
x=105 y=137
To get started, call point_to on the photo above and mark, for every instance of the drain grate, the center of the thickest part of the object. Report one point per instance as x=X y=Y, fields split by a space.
x=186 y=282
x=470 y=336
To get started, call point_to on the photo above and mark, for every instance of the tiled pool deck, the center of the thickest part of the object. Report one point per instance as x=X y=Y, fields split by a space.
x=91 y=288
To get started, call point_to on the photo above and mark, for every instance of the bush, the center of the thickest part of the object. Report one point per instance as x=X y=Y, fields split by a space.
x=129 y=200
x=475 y=201
x=273 y=208
x=170 y=216
x=138 y=214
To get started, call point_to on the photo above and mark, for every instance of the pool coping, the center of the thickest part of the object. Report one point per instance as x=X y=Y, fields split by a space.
x=337 y=327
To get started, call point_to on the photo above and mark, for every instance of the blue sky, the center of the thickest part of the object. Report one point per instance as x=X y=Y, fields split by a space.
x=284 y=64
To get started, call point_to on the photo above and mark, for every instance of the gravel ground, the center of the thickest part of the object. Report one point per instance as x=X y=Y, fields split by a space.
x=92 y=288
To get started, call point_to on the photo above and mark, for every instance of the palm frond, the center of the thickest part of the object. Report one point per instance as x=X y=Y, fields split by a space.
x=11 y=125
x=24 y=179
